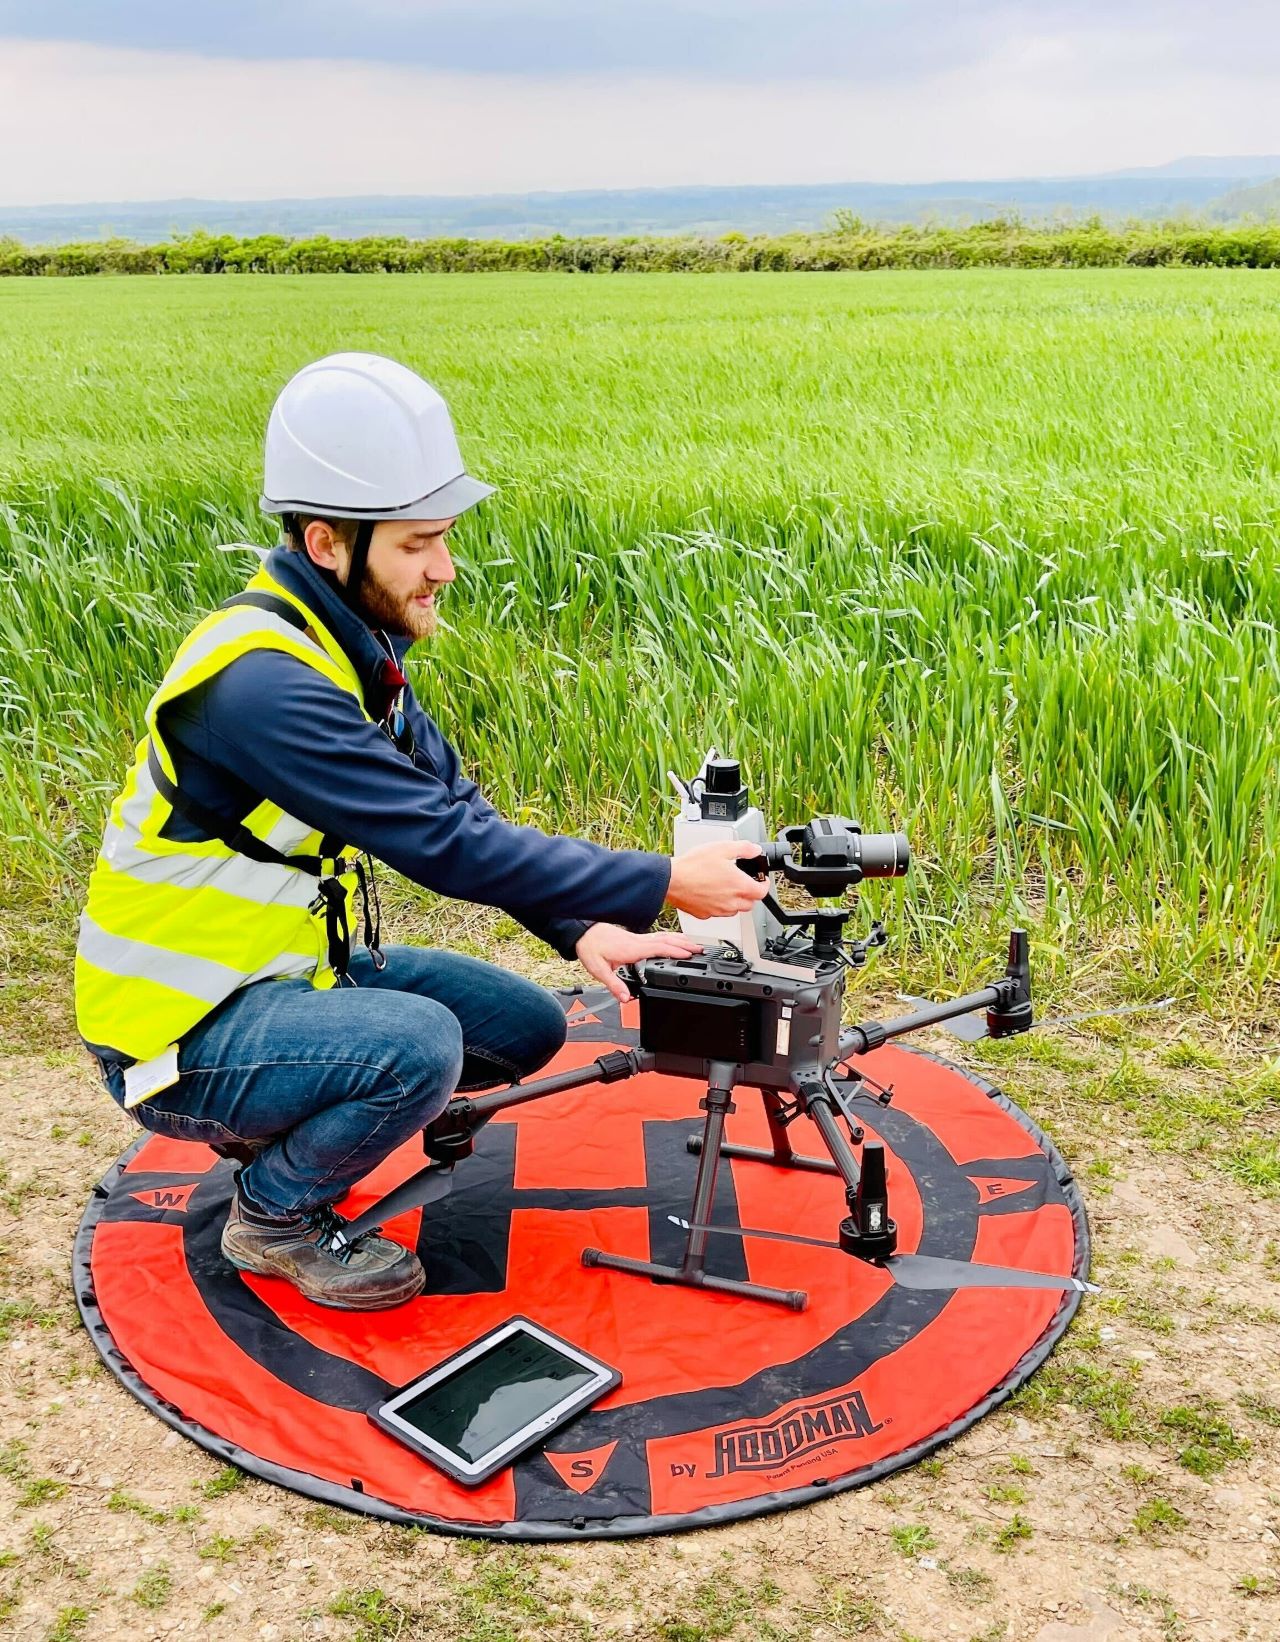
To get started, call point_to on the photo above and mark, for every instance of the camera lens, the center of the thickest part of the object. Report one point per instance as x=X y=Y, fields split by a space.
x=884 y=854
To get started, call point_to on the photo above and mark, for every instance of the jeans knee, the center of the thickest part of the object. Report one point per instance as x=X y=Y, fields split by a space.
x=543 y=1029
x=429 y=1059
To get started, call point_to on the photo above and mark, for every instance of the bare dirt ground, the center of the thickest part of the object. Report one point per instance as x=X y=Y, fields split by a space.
x=1130 y=1491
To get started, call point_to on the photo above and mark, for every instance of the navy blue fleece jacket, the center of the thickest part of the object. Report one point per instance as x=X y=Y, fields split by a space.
x=269 y=726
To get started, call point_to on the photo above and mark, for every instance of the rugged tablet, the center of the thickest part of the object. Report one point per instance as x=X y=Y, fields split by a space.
x=482 y=1408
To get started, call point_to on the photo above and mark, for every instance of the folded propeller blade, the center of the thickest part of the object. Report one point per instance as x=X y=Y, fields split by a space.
x=973 y=1028
x=428 y=1186
x=927 y=1271
x=921 y=1271
x=747 y=1231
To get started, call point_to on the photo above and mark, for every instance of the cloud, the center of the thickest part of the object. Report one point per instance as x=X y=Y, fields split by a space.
x=865 y=41
x=100 y=123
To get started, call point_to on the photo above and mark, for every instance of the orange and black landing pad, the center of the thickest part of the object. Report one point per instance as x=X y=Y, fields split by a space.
x=728 y=1407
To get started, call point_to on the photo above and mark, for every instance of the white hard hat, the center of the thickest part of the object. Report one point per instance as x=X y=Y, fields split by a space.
x=357 y=436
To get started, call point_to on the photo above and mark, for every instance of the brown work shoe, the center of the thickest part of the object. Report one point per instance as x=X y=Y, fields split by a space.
x=370 y=1274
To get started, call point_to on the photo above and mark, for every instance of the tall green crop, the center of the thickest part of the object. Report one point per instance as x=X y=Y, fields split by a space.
x=988 y=556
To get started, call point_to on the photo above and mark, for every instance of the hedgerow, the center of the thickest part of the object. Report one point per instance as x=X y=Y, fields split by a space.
x=1002 y=243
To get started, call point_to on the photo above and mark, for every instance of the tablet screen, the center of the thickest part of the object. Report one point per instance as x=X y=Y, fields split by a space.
x=487 y=1401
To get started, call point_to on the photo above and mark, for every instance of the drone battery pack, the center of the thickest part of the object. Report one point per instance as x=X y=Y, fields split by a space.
x=693 y=1023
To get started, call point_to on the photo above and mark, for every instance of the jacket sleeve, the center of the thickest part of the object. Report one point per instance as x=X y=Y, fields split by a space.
x=280 y=728
x=561 y=934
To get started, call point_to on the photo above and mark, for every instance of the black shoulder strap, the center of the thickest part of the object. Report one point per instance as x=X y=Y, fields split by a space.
x=234 y=834
x=330 y=845
x=271 y=602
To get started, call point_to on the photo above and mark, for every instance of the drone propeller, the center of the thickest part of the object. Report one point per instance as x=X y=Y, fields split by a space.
x=428 y=1186
x=973 y=1028
x=920 y=1271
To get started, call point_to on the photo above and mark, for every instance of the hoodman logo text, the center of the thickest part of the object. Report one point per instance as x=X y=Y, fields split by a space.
x=766 y=1447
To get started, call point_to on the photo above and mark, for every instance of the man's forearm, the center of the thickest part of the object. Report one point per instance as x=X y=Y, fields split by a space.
x=345 y=777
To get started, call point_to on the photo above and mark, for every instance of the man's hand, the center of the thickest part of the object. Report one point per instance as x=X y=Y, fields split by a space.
x=707 y=882
x=604 y=946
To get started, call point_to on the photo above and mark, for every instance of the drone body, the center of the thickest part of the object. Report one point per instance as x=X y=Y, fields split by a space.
x=760 y=1008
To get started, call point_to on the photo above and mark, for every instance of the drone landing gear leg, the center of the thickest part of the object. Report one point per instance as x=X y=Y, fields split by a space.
x=717 y=1104
x=866 y=1232
x=780 y=1153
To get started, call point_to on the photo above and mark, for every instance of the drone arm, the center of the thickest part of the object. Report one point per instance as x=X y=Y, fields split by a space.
x=1007 y=1003
x=860 y=1040
x=606 y=1068
x=448 y=1138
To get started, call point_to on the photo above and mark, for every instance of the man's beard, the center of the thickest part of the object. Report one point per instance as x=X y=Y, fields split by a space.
x=393 y=614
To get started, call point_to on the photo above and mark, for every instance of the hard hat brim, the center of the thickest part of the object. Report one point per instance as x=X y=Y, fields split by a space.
x=445 y=502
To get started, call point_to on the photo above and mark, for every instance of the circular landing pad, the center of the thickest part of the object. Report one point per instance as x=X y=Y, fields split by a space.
x=728 y=1407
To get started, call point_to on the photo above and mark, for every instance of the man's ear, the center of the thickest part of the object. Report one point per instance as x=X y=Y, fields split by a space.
x=322 y=544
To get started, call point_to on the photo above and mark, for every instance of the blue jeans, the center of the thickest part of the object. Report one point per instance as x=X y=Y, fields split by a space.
x=336 y=1080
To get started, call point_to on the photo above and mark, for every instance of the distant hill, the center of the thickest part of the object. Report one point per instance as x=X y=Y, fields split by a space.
x=1243 y=166
x=1187 y=186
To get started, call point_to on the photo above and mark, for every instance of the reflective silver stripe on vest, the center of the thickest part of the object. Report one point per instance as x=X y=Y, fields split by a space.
x=287 y=834
x=238 y=623
x=202 y=978
x=135 y=809
x=256 y=881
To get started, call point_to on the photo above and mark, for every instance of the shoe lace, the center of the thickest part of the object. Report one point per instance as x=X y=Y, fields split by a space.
x=330 y=1229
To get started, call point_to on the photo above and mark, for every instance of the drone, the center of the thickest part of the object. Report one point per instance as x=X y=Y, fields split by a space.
x=760 y=1008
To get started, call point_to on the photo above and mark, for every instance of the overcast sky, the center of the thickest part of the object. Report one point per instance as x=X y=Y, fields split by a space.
x=244 y=99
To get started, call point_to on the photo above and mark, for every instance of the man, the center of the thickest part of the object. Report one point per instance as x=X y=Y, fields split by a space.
x=215 y=980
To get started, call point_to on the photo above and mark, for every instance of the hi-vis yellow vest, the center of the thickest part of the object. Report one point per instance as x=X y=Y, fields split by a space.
x=171 y=928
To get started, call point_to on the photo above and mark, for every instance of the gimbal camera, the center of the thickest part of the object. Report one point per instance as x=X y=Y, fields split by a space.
x=764 y=1012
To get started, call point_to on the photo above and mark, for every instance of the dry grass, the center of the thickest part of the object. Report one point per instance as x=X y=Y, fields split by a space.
x=1131 y=1485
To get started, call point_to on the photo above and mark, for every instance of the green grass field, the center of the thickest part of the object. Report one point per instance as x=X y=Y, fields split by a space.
x=989 y=557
